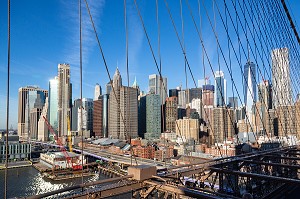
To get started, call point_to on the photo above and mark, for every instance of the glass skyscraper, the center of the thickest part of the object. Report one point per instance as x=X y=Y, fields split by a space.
x=249 y=90
x=53 y=103
x=220 y=89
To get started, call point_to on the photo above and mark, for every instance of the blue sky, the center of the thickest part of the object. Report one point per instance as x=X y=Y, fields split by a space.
x=45 y=33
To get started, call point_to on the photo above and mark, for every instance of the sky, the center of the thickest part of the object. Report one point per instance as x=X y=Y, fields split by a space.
x=46 y=33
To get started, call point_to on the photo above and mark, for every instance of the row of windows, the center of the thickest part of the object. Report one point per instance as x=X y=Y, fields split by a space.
x=16 y=149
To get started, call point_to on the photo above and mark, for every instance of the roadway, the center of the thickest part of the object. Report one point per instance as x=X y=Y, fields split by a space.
x=124 y=159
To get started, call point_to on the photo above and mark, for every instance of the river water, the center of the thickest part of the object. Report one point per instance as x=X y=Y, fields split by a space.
x=27 y=181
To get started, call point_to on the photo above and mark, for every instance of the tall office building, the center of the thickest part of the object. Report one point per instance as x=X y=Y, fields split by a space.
x=43 y=132
x=86 y=116
x=173 y=92
x=193 y=93
x=220 y=89
x=208 y=95
x=53 y=103
x=109 y=87
x=105 y=101
x=171 y=114
x=98 y=117
x=75 y=107
x=233 y=102
x=287 y=120
x=158 y=87
x=281 y=81
x=64 y=98
x=30 y=97
x=142 y=116
x=198 y=106
x=250 y=83
x=223 y=124
x=98 y=92
x=123 y=110
x=153 y=117
x=182 y=101
x=249 y=97
x=188 y=129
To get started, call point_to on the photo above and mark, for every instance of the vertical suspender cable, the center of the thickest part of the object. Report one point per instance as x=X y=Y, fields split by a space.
x=7 y=99
x=160 y=76
x=184 y=50
x=128 y=90
x=81 y=108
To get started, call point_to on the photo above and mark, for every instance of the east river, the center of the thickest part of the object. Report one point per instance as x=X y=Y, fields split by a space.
x=27 y=181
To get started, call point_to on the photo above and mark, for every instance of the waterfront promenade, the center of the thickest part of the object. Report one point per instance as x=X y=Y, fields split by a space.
x=16 y=164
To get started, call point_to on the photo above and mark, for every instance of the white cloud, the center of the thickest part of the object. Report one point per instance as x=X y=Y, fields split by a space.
x=71 y=52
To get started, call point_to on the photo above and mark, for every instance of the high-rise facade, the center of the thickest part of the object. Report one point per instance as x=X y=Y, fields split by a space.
x=98 y=117
x=142 y=117
x=286 y=120
x=98 y=92
x=250 y=83
x=123 y=110
x=75 y=107
x=208 y=95
x=109 y=87
x=171 y=114
x=153 y=117
x=182 y=101
x=188 y=129
x=193 y=93
x=220 y=89
x=223 y=124
x=43 y=132
x=233 y=102
x=64 y=98
x=105 y=100
x=281 y=81
x=53 y=103
x=173 y=92
x=158 y=87
x=30 y=97
x=86 y=114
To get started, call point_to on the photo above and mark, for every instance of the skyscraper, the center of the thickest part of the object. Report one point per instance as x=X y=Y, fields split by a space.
x=153 y=117
x=123 y=110
x=250 y=83
x=158 y=87
x=171 y=114
x=108 y=87
x=220 y=89
x=30 y=97
x=142 y=117
x=233 y=102
x=64 y=98
x=223 y=124
x=98 y=117
x=105 y=100
x=173 y=92
x=182 y=101
x=98 y=92
x=53 y=103
x=193 y=93
x=75 y=107
x=42 y=127
x=87 y=116
x=281 y=81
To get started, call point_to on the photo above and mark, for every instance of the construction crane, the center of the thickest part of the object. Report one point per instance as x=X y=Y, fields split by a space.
x=62 y=148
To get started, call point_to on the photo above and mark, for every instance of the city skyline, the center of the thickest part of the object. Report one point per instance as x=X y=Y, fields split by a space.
x=47 y=40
